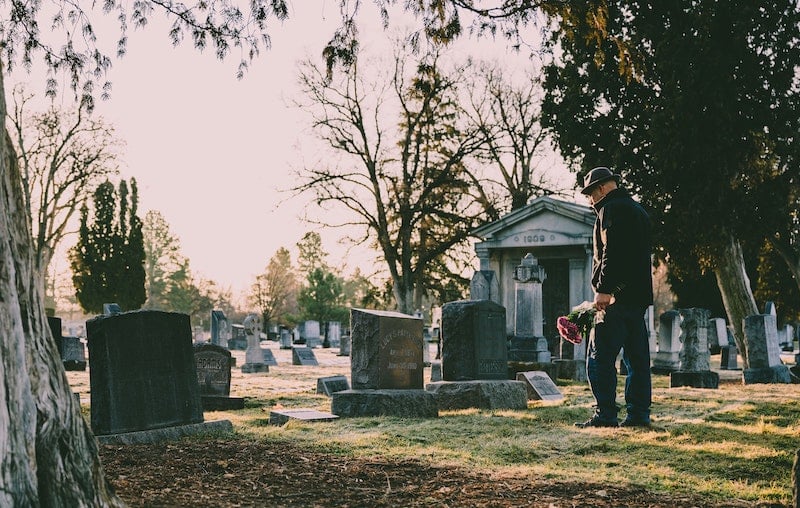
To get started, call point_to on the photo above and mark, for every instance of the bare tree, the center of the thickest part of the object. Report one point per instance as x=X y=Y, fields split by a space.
x=405 y=182
x=517 y=146
x=62 y=154
x=274 y=292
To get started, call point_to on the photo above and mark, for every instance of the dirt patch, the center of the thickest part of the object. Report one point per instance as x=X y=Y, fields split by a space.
x=231 y=473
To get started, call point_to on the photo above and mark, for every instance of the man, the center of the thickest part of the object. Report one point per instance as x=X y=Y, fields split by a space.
x=623 y=286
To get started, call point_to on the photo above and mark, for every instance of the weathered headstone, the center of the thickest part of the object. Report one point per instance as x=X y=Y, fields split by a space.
x=529 y=343
x=474 y=359
x=309 y=333
x=281 y=416
x=386 y=368
x=253 y=356
x=763 y=353
x=695 y=368
x=220 y=329
x=331 y=384
x=474 y=341
x=386 y=350
x=344 y=345
x=786 y=338
x=652 y=333
x=238 y=338
x=198 y=335
x=109 y=309
x=304 y=356
x=484 y=286
x=213 y=365
x=74 y=354
x=539 y=386
x=667 y=358
x=333 y=335
x=285 y=338
x=142 y=372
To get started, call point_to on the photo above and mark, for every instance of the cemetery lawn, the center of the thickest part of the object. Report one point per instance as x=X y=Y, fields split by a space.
x=733 y=446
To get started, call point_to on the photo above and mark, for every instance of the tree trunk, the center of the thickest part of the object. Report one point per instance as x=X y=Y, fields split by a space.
x=48 y=455
x=734 y=285
x=404 y=297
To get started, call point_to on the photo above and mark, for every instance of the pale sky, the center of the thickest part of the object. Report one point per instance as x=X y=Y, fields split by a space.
x=211 y=153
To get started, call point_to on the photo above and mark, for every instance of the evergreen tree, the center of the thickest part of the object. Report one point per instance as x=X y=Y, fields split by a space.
x=108 y=260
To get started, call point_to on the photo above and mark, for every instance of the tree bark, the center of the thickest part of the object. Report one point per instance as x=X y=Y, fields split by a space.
x=48 y=455
x=737 y=296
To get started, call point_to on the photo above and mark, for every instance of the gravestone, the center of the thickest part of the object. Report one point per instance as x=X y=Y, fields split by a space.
x=253 y=356
x=282 y=416
x=268 y=357
x=436 y=371
x=238 y=338
x=213 y=365
x=198 y=335
x=484 y=286
x=386 y=368
x=652 y=333
x=386 y=350
x=474 y=359
x=786 y=338
x=54 y=324
x=109 y=309
x=729 y=355
x=695 y=368
x=332 y=384
x=528 y=343
x=474 y=341
x=333 y=335
x=344 y=345
x=717 y=335
x=220 y=329
x=539 y=386
x=304 y=356
x=309 y=333
x=763 y=353
x=142 y=372
x=74 y=354
x=285 y=338
x=667 y=358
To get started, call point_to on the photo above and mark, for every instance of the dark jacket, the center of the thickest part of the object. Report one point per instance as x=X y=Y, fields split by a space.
x=622 y=248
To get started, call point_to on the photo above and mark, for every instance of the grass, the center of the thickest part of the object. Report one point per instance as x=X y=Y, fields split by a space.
x=735 y=442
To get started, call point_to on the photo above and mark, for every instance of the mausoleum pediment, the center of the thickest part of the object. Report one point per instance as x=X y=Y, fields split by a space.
x=544 y=221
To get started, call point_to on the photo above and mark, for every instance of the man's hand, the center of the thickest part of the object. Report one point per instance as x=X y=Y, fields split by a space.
x=603 y=300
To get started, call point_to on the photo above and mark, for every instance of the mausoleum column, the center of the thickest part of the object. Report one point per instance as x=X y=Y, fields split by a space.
x=577 y=281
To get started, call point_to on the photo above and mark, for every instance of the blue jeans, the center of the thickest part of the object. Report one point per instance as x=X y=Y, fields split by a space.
x=622 y=329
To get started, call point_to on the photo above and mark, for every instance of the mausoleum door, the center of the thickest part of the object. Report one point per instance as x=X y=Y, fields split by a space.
x=555 y=299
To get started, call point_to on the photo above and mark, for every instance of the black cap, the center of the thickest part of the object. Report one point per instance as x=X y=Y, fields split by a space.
x=597 y=176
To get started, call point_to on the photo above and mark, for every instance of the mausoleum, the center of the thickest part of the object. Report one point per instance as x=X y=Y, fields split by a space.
x=559 y=235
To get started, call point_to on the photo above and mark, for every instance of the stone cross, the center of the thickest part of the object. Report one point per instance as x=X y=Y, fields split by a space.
x=253 y=356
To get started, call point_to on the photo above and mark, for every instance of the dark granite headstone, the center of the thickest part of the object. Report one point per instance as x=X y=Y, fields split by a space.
x=474 y=341
x=213 y=364
x=695 y=370
x=539 y=386
x=55 y=329
x=220 y=328
x=729 y=357
x=73 y=353
x=386 y=350
x=142 y=372
x=332 y=384
x=304 y=356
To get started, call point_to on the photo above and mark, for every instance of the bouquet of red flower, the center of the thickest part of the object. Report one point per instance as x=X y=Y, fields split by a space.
x=578 y=323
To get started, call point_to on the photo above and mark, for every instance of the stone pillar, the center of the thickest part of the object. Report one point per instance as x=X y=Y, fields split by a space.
x=528 y=343
x=652 y=335
x=695 y=364
x=577 y=282
x=253 y=356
